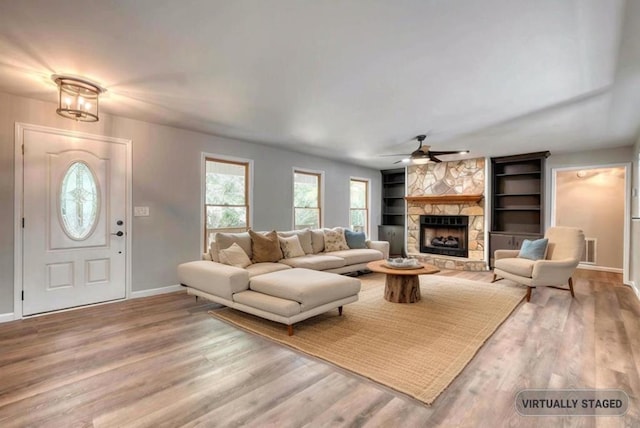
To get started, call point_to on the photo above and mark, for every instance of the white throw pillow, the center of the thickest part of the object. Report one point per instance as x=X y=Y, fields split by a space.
x=291 y=247
x=334 y=240
x=234 y=256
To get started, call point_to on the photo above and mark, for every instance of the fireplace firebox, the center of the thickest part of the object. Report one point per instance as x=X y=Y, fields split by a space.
x=444 y=234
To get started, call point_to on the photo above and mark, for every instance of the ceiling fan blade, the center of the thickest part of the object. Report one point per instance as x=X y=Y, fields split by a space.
x=448 y=152
x=434 y=159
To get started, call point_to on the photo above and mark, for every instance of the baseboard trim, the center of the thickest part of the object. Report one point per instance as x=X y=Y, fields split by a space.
x=634 y=288
x=7 y=317
x=156 y=291
x=599 y=268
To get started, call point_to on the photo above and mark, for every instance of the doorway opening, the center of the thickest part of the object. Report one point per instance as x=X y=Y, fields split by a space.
x=594 y=198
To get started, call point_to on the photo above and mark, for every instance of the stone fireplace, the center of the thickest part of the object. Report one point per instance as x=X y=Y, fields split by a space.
x=445 y=214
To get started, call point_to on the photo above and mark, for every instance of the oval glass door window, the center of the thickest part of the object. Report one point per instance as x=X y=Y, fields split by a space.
x=79 y=201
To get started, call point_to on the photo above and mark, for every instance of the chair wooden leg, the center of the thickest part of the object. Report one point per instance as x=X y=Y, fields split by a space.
x=529 y=294
x=290 y=329
x=571 y=287
x=340 y=310
x=495 y=278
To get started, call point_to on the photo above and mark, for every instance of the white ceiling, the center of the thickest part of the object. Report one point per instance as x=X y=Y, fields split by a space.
x=346 y=79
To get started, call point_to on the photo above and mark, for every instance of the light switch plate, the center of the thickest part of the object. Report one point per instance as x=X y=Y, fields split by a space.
x=140 y=211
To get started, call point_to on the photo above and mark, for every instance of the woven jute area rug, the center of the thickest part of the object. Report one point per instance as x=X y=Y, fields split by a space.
x=416 y=348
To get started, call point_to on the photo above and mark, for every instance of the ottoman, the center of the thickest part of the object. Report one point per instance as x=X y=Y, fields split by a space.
x=294 y=295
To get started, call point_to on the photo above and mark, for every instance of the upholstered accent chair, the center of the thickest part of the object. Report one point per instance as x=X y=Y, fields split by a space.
x=564 y=250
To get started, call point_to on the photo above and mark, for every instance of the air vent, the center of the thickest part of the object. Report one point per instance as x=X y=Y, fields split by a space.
x=589 y=251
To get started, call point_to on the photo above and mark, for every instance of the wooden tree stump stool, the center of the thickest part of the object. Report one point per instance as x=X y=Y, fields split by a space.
x=402 y=289
x=401 y=285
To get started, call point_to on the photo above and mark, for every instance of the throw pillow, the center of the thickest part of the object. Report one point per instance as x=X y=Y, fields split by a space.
x=334 y=240
x=213 y=251
x=265 y=248
x=224 y=240
x=304 y=236
x=317 y=240
x=291 y=247
x=355 y=239
x=534 y=250
x=234 y=256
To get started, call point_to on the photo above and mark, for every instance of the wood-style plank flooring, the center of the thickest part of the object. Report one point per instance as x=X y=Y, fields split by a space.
x=164 y=362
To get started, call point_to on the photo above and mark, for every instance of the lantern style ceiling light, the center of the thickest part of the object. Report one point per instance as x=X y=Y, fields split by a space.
x=78 y=99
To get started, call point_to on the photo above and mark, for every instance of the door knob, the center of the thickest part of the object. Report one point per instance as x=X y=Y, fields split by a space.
x=118 y=233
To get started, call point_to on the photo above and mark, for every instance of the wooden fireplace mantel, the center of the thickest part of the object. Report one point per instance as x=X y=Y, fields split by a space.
x=445 y=199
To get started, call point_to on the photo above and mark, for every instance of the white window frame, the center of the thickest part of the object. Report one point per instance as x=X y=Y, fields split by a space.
x=203 y=186
x=320 y=173
x=368 y=200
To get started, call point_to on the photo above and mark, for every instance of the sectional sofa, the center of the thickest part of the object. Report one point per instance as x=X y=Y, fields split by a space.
x=286 y=288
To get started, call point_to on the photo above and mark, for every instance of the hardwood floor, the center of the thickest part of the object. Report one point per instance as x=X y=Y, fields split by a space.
x=163 y=362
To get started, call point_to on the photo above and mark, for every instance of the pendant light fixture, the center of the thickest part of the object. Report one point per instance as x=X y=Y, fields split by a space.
x=78 y=98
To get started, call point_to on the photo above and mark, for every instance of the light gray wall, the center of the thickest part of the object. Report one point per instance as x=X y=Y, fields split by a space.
x=166 y=178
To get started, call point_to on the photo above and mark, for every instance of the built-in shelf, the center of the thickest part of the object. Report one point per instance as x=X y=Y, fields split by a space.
x=393 y=210
x=445 y=199
x=517 y=186
x=513 y=174
x=517 y=209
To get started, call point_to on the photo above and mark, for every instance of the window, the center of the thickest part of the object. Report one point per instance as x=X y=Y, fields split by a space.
x=359 y=205
x=79 y=201
x=307 y=199
x=226 y=197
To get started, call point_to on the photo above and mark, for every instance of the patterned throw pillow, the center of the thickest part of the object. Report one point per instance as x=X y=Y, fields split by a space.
x=265 y=248
x=234 y=256
x=291 y=247
x=334 y=240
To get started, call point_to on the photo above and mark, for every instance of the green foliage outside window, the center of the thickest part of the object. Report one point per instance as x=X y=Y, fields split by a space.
x=225 y=196
x=306 y=194
x=358 y=196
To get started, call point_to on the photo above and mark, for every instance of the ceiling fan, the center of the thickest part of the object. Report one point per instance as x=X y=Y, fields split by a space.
x=423 y=155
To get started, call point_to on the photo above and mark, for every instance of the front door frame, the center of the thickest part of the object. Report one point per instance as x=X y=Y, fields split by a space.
x=18 y=204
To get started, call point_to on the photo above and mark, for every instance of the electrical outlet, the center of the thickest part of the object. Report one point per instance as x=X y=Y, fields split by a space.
x=140 y=211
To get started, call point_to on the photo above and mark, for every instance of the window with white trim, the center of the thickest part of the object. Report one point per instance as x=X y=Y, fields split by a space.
x=226 y=197
x=359 y=205
x=307 y=199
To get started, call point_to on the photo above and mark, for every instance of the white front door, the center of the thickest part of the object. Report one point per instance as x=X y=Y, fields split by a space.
x=74 y=209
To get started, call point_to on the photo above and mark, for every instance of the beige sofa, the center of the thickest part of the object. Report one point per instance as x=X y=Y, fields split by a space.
x=286 y=291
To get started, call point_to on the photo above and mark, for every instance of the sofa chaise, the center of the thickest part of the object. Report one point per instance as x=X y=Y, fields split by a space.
x=301 y=281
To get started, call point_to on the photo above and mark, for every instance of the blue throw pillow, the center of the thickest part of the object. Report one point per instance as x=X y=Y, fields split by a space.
x=355 y=239
x=534 y=250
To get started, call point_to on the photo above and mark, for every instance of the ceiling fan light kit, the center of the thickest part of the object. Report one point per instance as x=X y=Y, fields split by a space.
x=422 y=155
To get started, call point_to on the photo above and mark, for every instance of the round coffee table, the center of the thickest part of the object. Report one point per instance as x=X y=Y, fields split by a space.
x=401 y=285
